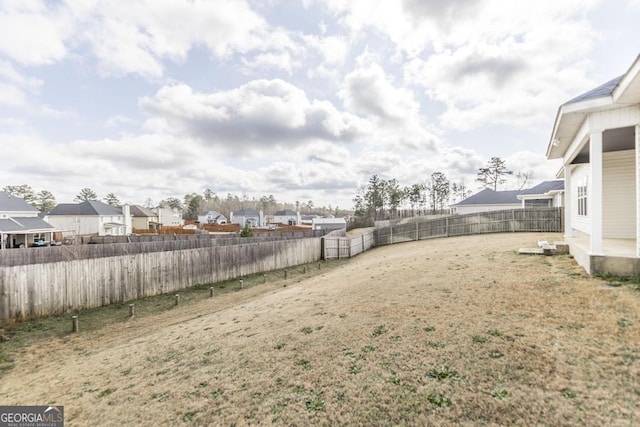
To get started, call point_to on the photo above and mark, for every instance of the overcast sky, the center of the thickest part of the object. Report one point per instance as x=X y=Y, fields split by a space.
x=304 y=99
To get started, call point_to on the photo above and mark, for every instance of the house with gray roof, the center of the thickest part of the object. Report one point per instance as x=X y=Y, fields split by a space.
x=287 y=217
x=20 y=225
x=488 y=200
x=91 y=218
x=596 y=136
x=143 y=218
x=252 y=217
x=212 y=217
x=547 y=194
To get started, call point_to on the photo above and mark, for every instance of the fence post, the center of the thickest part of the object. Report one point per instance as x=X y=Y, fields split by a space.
x=74 y=324
x=417 y=232
x=177 y=299
x=390 y=234
x=211 y=292
x=446 y=227
x=132 y=310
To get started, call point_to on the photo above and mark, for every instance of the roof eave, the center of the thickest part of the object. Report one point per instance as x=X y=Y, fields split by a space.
x=557 y=146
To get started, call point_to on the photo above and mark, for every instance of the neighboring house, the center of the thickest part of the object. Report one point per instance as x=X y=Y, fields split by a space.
x=212 y=217
x=20 y=225
x=547 y=194
x=329 y=224
x=287 y=217
x=91 y=218
x=144 y=219
x=597 y=137
x=168 y=217
x=308 y=219
x=248 y=216
x=488 y=200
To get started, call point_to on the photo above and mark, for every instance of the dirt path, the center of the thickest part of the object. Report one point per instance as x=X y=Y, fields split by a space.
x=452 y=330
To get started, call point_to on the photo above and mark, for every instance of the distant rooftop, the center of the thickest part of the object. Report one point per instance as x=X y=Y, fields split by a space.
x=88 y=208
x=545 y=187
x=490 y=197
x=11 y=203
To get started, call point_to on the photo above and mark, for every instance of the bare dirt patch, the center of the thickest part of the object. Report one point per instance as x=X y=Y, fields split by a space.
x=451 y=331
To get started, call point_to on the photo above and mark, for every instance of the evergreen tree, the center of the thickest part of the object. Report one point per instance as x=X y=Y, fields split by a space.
x=493 y=174
x=86 y=194
x=45 y=201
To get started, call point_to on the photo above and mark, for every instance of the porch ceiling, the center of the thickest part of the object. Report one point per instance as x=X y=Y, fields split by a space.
x=612 y=140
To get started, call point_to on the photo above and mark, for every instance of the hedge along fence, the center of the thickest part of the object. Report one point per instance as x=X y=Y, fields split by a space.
x=39 y=290
x=504 y=221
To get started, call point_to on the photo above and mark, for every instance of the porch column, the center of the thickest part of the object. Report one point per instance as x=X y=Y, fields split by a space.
x=637 y=129
x=594 y=198
x=568 y=198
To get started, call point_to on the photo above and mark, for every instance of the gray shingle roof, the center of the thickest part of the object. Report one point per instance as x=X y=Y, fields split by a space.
x=24 y=224
x=490 y=197
x=88 y=208
x=137 y=210
x=247 y=212
x=599 y=92
x=11 y=203
x=545 y=187
x=286 y=212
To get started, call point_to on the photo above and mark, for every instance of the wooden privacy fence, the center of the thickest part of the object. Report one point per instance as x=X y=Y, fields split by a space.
x=44 y=289
x=504 y=221
x=346 y=247
x=146 y=244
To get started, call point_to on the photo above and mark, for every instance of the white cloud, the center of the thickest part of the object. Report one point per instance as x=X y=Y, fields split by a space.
x=369 y=91
x=34 y=32
x=258 y=116
x=486 y=61
x=14 y=87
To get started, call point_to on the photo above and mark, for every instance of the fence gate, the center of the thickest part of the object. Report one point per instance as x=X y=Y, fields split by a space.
x=336 y=247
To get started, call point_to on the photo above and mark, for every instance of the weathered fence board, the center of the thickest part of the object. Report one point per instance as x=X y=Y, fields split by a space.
x=345 y=247
x=507 y=221
x=12 y=257
x=44 y=289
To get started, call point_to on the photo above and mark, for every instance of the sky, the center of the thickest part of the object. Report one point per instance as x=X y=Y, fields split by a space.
x=303 y=100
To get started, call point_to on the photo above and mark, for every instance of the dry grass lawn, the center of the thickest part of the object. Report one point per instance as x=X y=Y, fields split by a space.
x=451 y=331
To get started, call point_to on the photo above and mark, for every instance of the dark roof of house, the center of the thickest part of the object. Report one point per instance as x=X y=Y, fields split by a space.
x=286 y=212
x=23 y=224
x=88 y=208
x=11 y=203
x=213 y=213
x=247 y=212
x=490 y=197
x=545 y=187
x=137 y=210
x=599 y=92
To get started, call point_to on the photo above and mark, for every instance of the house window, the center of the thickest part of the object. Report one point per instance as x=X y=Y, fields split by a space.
x=582 y=198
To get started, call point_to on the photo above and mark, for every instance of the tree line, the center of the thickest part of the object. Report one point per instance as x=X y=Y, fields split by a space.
x=381 y=198
x=190 y=205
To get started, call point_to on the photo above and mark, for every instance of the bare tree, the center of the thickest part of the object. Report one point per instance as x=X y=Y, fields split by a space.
x=524 y=178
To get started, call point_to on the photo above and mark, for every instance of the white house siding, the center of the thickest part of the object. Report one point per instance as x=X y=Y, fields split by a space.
x=580 y=223
x=468 y=209
x=112 y=231
x=619 y=195
x=79 y=225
